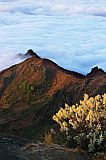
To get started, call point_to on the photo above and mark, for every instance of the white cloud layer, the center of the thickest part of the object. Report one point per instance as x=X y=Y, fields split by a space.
x=72 y=33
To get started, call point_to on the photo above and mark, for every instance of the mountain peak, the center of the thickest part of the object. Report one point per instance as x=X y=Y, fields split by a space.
x=96 y=70
x=30 y=52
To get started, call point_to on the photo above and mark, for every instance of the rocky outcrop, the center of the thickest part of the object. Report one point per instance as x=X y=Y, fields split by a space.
x=30 y=53
x=50 y=152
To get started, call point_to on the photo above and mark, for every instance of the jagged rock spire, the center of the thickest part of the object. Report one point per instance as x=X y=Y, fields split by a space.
x=32 y=53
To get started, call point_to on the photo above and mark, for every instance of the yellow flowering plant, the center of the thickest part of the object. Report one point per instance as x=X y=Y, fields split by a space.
x=87 y=119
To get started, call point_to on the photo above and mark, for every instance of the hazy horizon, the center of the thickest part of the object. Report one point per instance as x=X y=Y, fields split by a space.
x=71 y=33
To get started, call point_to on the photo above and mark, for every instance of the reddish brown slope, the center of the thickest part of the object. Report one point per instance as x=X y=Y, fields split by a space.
x=27 y=89
x=93 y=84
x=20 y=81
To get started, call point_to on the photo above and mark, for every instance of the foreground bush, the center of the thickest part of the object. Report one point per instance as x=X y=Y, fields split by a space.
x=84 y=123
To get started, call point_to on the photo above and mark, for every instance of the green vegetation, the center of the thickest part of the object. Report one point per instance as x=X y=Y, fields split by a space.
x=28 y=92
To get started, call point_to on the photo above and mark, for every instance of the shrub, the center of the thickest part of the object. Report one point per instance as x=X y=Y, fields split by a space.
x=84 y=123
x=48 y=139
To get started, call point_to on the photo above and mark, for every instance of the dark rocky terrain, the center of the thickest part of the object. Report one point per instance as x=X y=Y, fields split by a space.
x=9 y=147
x=15 y=148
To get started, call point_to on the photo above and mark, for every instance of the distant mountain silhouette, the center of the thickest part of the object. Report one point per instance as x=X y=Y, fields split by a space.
x=32 y=91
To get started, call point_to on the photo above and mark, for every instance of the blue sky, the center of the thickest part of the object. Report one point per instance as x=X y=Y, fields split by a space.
x=70 y=32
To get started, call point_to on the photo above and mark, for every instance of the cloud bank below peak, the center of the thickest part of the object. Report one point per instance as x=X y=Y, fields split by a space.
x=72 y=33
x=53 y=7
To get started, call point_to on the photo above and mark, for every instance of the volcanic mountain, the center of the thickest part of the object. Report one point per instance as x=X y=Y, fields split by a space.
x=32 y=91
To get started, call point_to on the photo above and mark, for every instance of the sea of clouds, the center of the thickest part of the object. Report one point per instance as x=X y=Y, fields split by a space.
x=70 y=32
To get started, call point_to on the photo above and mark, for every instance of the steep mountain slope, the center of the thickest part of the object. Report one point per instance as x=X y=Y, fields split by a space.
x=32 y=91
x=28 y=87
x=94 y=83
x=33 y=79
